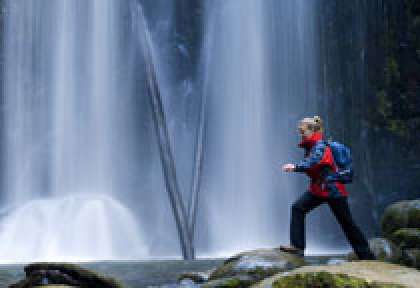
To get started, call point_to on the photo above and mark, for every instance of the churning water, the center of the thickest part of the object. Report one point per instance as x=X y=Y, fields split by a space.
x=69 y=88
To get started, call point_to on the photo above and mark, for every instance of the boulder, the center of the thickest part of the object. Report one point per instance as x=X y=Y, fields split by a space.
x=366 y=274
x=407 y=238
x=257 y=265
x=385 y=249
x=411 y=257
x=72 y=275
x=403 y=214
x=196 y=277
x=325 y=279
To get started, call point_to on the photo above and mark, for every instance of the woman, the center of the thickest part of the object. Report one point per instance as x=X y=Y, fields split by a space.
x=318 y=164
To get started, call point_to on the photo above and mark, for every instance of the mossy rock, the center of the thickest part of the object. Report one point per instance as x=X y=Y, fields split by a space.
x=404 y=214
x=411 y=258
x=258 y=264
x=66 y=274
x=240 y=281
x=368 y=274
x=196 y=277
x=326 y=279
x=383 y=249
x=407 y=238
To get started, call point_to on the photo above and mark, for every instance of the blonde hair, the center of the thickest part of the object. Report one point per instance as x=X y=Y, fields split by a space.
x=313 y=124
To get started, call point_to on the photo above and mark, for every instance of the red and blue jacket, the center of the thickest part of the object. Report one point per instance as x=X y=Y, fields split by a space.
x=318 y=164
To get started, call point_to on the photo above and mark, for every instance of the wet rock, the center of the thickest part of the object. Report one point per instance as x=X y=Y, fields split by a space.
x=403 y=214
x=230 y=282
x=257 y=265
x=407 y=237
x=187 y=283
x=197 y=277
x=63 y=274
x=383 y=249
x=335 y=261
x=411 y=258
x=367 y=274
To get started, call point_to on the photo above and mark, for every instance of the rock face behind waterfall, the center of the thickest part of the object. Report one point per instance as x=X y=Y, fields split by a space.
x=61 y=274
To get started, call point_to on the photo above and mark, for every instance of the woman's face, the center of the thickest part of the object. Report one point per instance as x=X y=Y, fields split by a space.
x=303 y=130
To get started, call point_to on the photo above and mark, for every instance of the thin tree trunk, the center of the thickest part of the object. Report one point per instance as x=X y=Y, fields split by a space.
x=168 y=163
x=196 y=182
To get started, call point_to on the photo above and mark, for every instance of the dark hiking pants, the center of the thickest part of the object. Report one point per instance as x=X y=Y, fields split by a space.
x=340 y=208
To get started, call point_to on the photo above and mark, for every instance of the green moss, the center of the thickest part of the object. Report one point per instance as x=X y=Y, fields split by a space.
x=232 y=282
x=397 y=127
x=407 y=237
x=261 y=273
x=391 y=73
x=404 y=214
x=327 y=280
x=384 y=104
x=223 y=271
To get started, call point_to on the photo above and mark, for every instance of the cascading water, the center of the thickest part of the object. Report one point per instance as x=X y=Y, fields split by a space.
x=260 y=79
x=73 y=173
x=82 y=178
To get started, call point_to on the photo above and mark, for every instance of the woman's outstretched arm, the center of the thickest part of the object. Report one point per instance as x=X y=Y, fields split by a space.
x=314 y=158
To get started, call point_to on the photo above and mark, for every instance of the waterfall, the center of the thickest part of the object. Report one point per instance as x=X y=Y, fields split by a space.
x=82 y=176
x=72 y=104
x=260 y=78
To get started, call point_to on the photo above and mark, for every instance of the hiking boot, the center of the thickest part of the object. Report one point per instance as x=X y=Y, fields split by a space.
x=292 y=250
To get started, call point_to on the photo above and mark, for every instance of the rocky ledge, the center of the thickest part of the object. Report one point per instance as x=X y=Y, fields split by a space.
x=63 y=275
x=366 y=274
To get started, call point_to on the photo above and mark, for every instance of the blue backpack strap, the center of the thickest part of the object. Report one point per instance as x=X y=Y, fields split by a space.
x=313 y=158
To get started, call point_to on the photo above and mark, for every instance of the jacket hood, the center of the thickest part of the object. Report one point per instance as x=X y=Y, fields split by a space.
x=309 y=142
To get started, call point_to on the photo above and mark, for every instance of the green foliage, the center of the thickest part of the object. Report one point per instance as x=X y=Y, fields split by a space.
x=391 y=71
x=398 y=92
x=326 y=279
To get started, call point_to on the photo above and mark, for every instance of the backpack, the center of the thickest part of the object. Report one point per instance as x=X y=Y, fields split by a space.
x=343 y=161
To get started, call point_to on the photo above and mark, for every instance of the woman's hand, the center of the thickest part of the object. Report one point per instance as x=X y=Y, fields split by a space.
x=288 y=167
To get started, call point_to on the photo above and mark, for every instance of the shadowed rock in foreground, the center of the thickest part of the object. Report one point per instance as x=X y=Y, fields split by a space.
x=401 y=235
x=63 y=274
x=366 y=274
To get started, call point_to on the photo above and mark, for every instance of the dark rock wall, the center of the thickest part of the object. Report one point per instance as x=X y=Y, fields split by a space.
x=370 y=96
